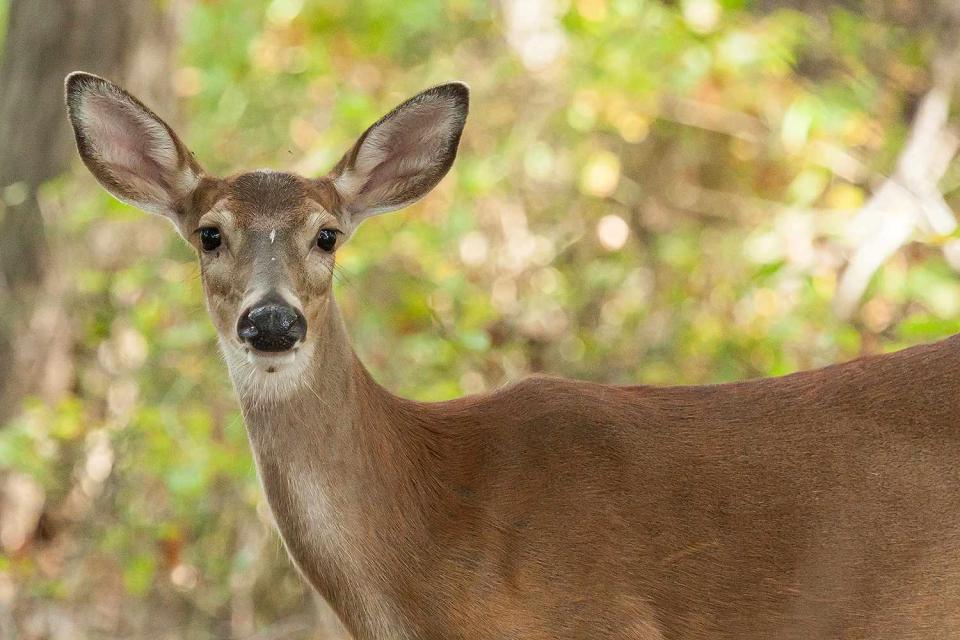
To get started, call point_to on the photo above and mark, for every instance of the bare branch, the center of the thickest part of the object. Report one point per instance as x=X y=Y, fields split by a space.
x=910 y=198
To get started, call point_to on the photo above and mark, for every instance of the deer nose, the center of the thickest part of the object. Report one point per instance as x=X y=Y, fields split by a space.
x=272 y=325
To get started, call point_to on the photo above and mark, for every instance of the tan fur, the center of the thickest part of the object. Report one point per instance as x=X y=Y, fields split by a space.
x=821 y=505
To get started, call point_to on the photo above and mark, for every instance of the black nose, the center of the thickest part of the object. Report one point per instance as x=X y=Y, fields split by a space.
x=272 y=325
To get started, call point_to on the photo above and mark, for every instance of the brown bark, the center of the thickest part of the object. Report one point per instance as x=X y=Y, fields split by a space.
x=45 y=40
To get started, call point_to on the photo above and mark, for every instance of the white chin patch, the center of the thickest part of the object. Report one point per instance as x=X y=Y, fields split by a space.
x=265 y=378
x=269 y=363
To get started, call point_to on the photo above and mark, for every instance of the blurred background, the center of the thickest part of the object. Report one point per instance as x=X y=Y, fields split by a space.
x=649 y=191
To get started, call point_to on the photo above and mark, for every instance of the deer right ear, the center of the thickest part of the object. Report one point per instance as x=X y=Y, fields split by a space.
x=134 y=154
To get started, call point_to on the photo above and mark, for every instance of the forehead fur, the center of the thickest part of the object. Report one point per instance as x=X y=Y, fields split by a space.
x=273 y=199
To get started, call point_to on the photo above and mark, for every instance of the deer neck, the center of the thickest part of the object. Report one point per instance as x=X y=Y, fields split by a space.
x=338 y=459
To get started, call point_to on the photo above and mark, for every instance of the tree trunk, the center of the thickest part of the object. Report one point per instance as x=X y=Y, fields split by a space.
x=130 y=41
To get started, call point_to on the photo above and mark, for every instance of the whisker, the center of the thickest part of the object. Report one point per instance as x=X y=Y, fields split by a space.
x=340 y=275
x=323 y=402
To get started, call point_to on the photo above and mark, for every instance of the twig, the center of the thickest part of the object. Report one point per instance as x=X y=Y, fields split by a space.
x=911 y=196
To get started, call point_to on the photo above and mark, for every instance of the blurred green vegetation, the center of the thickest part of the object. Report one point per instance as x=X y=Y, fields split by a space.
x=644 y=193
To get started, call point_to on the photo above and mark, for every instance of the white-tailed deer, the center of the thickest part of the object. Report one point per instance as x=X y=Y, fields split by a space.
x=823 y=504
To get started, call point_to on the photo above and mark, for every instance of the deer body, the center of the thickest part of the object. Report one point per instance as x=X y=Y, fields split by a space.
x=821 y=505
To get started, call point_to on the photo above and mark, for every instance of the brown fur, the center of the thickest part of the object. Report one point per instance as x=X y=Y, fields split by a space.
x=820 y=505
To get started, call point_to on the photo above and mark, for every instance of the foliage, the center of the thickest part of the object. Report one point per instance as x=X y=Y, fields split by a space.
x=660 y=202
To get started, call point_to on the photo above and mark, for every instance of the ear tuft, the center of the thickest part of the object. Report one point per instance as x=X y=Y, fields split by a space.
x=458 y=93
x=78 y=81
x=128 y=148
x=405 y=154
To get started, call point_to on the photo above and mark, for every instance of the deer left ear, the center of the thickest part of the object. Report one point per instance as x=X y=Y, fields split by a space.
x=404 y=155
x=134 y=154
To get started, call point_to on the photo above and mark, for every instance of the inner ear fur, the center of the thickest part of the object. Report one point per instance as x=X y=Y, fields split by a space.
x=402 y=156
x=130 y=150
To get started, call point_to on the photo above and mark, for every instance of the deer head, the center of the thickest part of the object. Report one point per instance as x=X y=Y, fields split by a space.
x=266 y=240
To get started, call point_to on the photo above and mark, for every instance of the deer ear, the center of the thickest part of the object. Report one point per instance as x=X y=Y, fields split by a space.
x=404 y=155
x=134 y=154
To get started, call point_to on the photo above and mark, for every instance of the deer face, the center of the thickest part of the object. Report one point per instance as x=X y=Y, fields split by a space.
x=267 y=246
x=266 y=240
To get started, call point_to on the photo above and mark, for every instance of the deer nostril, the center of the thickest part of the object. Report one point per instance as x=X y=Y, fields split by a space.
x=247 y=331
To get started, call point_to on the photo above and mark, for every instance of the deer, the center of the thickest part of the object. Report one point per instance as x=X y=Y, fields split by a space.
x=823 y=504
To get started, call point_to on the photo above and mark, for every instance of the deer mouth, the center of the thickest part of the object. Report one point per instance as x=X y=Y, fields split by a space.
x=271 y=361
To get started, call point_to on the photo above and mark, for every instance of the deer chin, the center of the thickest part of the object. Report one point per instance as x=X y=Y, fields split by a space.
x=260 y=377
x=272 y=362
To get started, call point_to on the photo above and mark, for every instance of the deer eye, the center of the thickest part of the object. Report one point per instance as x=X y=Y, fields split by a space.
x=210 y=238
x=327 y=239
